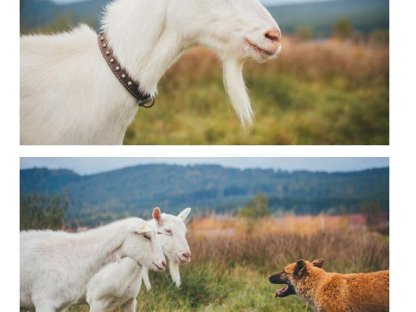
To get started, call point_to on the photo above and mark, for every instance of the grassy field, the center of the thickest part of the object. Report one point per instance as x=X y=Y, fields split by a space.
x=232 y=259
x=316 y=92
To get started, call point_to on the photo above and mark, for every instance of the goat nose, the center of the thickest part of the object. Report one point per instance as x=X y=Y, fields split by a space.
x=273 y=35
x=164 y=264
x=186 y=254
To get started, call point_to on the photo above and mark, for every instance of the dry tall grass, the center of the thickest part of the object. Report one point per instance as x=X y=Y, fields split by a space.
x=305 y=59
x=314 y=60
x=316 y=92
x=271 y=243
x=286 y=224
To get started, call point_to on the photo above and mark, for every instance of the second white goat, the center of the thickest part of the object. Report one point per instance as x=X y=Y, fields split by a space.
x=119 y=283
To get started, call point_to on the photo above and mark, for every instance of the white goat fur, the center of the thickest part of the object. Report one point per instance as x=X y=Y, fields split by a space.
x=119 y=283
x=70 y=96
x=55 y=267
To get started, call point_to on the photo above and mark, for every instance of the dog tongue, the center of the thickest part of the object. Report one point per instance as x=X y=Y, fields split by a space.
x=280 y=292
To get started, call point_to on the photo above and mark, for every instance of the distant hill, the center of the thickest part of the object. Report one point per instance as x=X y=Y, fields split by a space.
x=40 y=13
x=365 y=15
x=135 y=190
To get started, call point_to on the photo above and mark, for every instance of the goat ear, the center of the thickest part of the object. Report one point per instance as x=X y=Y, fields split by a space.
x=300 y=268
x=184 y=213
x=157 y=215
x=318 y=262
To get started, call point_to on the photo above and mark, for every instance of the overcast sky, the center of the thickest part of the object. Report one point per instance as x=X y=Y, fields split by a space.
x=267 y=2
x=94 y=165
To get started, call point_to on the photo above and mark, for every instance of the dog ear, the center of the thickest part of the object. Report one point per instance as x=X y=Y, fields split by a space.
x=300 y=268
x=318 y=262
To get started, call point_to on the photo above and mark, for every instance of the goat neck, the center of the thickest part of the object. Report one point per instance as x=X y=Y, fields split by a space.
x=141 y=40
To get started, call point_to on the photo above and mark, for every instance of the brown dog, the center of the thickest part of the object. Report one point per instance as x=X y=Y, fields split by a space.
x=334 y=292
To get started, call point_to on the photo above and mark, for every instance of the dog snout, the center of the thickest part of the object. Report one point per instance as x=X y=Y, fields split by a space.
x=274 y=279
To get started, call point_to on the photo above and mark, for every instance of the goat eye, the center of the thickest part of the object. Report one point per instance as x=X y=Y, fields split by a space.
x=159 y=232
x=169 y=232
x=147 y=237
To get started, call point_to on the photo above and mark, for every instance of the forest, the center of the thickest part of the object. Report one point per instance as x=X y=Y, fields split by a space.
x=97 y=198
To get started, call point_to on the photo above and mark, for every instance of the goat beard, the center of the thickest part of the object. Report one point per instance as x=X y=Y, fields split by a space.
x=174 y=272
x=236 y=90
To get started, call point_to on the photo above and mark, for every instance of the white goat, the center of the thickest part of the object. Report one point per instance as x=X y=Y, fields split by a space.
x=118 y=283
x=70 y=96
x=55 y=267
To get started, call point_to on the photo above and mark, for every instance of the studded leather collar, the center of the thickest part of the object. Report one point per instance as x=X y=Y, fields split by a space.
x=132 y=86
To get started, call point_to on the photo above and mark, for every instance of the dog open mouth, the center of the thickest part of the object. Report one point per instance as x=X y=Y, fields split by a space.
x=281 y=278
x=285 y=291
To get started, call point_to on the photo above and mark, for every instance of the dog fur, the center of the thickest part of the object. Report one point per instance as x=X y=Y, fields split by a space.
x=334 y=292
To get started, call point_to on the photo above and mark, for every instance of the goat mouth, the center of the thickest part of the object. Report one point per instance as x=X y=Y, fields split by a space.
x=183 y=260
x=259 y=49
x=285 y=291
x=158 y=267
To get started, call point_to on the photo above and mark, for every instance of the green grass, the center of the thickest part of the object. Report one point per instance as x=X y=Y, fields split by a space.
x=231 y=273
x=332 y=97
x=287 y=112
x=205 y=288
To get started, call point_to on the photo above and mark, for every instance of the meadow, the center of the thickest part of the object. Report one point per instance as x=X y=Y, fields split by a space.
x=316 y=92
x=233 y=257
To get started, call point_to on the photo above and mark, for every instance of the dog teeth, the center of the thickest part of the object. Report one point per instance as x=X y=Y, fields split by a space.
x=281 y=291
